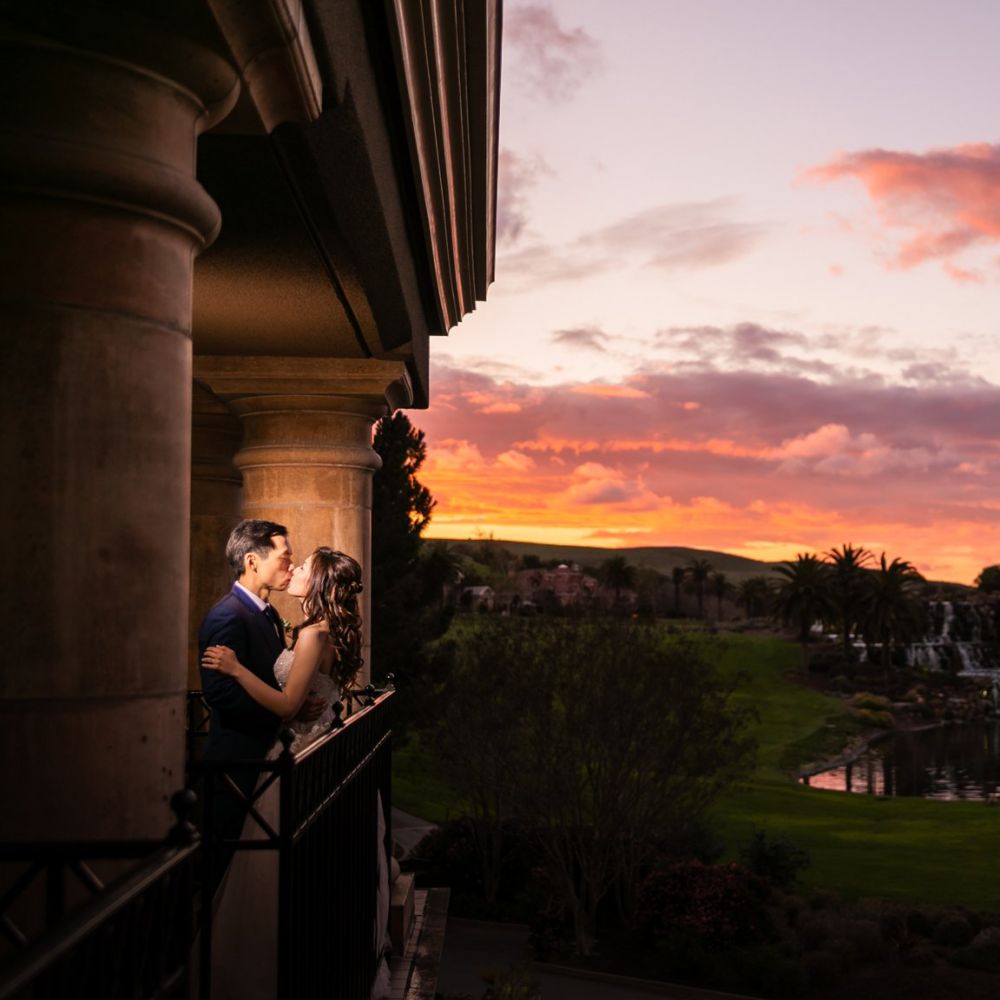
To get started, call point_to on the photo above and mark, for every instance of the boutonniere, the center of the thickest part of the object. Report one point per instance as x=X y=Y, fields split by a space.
x=286 y=626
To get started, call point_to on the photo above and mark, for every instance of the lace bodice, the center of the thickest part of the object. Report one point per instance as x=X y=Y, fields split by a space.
x=322 y=685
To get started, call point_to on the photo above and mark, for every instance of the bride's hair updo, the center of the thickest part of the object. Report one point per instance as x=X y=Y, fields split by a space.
x=334 y=585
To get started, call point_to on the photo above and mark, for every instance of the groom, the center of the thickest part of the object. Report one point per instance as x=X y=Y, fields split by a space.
x=260 y=557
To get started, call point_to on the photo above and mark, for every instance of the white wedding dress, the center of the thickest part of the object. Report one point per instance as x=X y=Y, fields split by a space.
x=244 y=929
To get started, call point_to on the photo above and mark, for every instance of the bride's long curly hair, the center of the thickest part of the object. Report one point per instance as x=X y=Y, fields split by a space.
x=334 y=586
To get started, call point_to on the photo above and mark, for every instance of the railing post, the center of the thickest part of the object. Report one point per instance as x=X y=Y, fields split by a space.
x=209 y=855
x=286 y=781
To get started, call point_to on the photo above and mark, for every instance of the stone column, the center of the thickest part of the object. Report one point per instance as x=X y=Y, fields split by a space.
x=216 y=494
x=101 y=218
x=307 y=458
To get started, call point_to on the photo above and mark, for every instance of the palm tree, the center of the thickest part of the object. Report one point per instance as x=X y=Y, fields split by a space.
x=894 y=607
x=754 y=594
x=617 y=575
x=803 y=597
x=721 y=588
x=848 y=588
x=698 y=572
x=677 y=575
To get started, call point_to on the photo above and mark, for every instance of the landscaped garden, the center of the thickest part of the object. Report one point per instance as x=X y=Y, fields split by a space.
x=778 y=890
x=858 y=845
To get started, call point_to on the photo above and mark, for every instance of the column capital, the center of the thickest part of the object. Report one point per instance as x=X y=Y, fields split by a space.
x=383 y=386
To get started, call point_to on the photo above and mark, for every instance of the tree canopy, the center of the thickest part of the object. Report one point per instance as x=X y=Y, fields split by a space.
x=803 y=596
x=598 y=734
x=407 y=582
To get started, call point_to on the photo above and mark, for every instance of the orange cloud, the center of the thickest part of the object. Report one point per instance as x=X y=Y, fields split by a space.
x=610 y=391
x=767 y=465
x=947 y=199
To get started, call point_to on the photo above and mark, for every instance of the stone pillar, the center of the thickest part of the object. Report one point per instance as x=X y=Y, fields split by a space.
x=307 y=458
x=216 y=494
x=101 y=218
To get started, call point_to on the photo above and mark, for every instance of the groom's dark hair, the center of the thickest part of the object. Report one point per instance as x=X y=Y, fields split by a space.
x=251 y=536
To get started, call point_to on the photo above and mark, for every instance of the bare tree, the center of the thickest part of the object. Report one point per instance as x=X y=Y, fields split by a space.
x=627 y=734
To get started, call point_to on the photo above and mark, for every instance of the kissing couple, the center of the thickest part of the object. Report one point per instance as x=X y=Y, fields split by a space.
x=252 y=683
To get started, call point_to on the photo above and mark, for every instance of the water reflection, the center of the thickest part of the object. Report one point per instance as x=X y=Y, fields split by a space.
x=952 y=762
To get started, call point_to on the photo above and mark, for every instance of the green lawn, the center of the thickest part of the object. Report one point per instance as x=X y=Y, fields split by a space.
x=940 y=852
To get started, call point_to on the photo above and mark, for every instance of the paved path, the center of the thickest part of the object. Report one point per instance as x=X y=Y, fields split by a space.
x=472 y=947
x=407 y=830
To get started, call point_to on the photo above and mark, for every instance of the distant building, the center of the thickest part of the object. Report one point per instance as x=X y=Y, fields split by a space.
x=567 y=584
x=479 y=598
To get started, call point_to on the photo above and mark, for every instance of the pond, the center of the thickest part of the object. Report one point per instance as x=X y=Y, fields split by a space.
x=948 y=762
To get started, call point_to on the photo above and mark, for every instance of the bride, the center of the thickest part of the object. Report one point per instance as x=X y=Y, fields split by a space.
x=324 y=660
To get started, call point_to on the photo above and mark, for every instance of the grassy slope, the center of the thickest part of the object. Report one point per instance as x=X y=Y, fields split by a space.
x=859 y=845
x=661 y=558
x=941 y=852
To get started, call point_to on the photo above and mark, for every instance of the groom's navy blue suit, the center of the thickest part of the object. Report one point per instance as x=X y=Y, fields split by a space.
x=239 y=727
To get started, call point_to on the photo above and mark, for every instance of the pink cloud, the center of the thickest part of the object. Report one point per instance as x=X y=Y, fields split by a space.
x=946 y=200
x=834 y=450
x=516 y=176
x=552 y=60
x=764 y=460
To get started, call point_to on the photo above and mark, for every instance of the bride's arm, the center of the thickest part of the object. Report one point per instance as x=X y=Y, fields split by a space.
x=285 y=703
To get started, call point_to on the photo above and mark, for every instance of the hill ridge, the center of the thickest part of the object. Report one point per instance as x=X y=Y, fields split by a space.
x=659 y=557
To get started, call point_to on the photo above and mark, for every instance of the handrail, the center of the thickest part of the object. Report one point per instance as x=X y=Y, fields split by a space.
x=75 y=949
x=59 y=942
x=327 y=798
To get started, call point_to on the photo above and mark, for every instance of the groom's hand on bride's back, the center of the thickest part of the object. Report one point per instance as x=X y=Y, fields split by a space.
x=312 y=708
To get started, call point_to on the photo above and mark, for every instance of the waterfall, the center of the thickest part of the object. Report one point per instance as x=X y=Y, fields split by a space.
x=961 y=635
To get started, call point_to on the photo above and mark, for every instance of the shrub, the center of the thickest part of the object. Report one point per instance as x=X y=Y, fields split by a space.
x=451 y=856
x=695 y=840
x=720 y=904
x=894 y=929
x=828 y=661
x=763 y=969
x=983 y=952
x=844 y=950
x=874 y=702
x=822 y=967
x=776 y=859
x=883 y=720
x=815 y=930
x=792 y=907
x=920 y=957
x=866 y=939
x=953 y=931
x=922 y=922
x=511 y=984
x=823 y=899
x=853 y=940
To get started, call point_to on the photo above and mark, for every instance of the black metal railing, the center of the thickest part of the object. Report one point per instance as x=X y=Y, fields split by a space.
x=315 y=815
x=128 y=938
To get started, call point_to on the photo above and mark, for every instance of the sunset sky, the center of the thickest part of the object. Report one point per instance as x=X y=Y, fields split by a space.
x=748 y=285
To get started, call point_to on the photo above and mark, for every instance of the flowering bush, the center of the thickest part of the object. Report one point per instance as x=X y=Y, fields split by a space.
x=722 y=904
